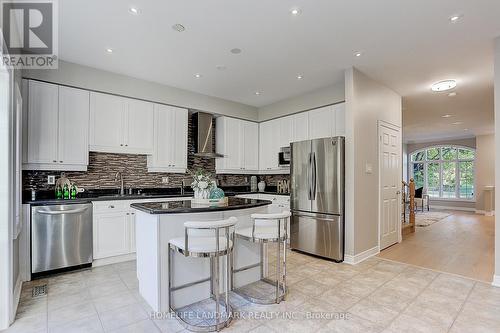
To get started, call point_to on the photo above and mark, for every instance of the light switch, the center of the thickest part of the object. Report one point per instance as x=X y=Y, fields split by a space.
x=51 y=180
x=368 y=168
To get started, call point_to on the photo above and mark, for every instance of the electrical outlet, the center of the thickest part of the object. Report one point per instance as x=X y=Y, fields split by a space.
x=51 y=180
x=164 y=180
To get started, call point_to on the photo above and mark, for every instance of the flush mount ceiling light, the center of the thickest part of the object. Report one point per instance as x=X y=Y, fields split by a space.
x=447 y=116
x=457 y=123
x=444 y=85
x=197 y=75
x=455 y=18
x=258 y=93
x=295 y=11
x=358 y=54
x=134 y=11
x=299 y=77
x=178 y=27
x=235 y=51
x=109 y=50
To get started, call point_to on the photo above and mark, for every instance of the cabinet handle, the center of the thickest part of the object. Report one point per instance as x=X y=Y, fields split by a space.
x=126 y=145
x=128 y=214
x=60 y=161
x=54 y=161
x=111 y=206
x=132 y=213
x=121 y=144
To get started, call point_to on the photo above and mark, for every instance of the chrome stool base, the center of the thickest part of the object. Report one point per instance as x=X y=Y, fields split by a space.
x=259 y=300
x=223 y=323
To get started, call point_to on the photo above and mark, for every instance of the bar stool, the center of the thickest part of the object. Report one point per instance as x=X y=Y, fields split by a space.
x=204 y=240
x=266 y=228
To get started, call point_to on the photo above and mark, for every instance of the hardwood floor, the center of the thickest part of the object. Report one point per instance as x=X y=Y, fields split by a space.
x=463 y=244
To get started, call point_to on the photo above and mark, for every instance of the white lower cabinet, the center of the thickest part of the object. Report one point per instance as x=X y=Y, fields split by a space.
x=114 y=228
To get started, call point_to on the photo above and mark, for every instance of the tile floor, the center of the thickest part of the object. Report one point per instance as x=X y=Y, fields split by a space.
x=375 y=296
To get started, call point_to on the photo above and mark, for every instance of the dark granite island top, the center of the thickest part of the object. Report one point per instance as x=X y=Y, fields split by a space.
x=187 y=206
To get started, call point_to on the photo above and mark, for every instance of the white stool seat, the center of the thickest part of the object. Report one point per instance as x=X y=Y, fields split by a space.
x=261 y=232
x=201 y=244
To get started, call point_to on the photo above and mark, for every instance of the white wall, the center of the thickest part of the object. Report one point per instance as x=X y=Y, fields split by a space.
x=367 y=102
x=311 y=100
x=94 y=79
x=496 y=279
x=485 y=166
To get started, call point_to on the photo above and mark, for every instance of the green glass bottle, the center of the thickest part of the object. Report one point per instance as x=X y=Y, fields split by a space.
x=66 y=192
x=59 y=193
x=73 y=191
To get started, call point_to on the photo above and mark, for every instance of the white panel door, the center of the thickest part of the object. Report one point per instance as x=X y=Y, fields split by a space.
x=390 y=184
x=339 y=110
x=180 y=138
x=321 y=123
x=42 y=123
x=269 y=145
x=73 y=126
x=107 y=116
x=161 y=159
x=300 y=127
x=111 y=234
x=250 y=146
x=139 y=127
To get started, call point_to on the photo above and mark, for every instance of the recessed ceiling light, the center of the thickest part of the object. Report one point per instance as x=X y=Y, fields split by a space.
x=178 y=27
x=134 y=11
x=221 y=67
x=358 y=54
x=109 y=50
x=295 y=11
x=444 y=85
x=452 y=94
x=299 y=77
x=197 y=75
x=455 y=18
x=466 y=129
x=258 y=93
x=457 y=123
x=236 y=51
x=447 y=116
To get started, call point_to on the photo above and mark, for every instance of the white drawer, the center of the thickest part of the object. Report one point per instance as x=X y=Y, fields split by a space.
x=111 y=206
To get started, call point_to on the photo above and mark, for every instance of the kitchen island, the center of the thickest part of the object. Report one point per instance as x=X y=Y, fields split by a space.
x=158 y=222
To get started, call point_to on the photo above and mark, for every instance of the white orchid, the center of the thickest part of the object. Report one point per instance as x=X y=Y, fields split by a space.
x=203 y=184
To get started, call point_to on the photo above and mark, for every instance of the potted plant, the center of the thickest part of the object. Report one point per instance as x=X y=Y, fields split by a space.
x=202 y=184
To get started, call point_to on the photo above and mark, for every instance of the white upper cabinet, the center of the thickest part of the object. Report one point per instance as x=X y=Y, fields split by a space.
x=339 y=110
x=269 y=145
x=120 y=125
x=250 y=146
x=238 y=141
x=170 y=140
x=139 y=127
x=286 y=131
x=321 y=122
x=300 y=126
x=106 y=122
x=42 y=122
x=57 y=127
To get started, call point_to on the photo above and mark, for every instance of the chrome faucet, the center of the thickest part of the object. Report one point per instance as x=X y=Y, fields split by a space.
x=119 y=176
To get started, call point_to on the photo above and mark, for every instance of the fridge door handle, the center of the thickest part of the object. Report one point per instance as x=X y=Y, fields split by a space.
x=309 y=176
x=313 y=186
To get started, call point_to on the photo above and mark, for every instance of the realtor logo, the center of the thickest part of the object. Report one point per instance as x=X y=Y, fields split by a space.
x=29 y=31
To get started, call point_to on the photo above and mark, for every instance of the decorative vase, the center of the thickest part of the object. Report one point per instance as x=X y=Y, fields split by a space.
x=201 y=194
x=262 y=186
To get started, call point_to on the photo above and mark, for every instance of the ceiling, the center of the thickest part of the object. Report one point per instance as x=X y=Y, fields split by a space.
x=406 y=45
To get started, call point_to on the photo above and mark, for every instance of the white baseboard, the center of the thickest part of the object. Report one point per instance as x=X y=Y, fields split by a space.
x=113 y=260
x=496 y=281
x=485 y=213
x=465 y=209
x=356 y=259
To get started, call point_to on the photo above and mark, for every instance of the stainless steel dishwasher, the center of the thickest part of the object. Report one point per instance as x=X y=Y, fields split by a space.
x=61 y=237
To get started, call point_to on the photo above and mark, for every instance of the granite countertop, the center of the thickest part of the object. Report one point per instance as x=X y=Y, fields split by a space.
x=47 y=197
x=187 y=206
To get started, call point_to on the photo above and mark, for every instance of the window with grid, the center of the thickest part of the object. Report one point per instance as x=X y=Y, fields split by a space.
x=445 y=171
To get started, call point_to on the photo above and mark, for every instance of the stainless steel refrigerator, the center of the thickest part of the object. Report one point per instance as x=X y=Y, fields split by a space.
x=317 y=197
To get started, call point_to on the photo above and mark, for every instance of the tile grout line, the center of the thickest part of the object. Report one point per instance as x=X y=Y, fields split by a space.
x=462 y=306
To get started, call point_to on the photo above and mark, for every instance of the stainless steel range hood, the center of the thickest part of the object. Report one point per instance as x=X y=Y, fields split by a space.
x=203 y=135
